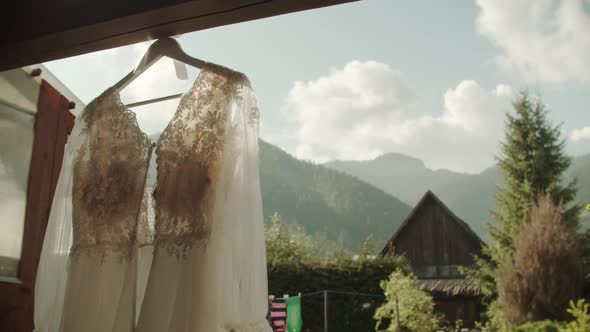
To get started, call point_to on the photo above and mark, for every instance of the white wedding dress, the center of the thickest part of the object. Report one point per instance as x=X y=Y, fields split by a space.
x=104 y=267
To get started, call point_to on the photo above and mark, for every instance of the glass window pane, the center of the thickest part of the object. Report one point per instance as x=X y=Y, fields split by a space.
x=16 y=142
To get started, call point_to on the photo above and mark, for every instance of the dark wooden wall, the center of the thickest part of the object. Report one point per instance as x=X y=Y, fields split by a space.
x=434 y=237
x=466 y=309
x=53 y=122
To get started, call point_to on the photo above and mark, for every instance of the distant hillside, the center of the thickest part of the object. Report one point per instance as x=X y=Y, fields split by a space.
x=581 y=170
x=326 y=201
x=323 y=201
x=470 y=196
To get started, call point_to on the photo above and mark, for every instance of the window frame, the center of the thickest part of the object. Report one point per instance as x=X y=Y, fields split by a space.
x=53 y=123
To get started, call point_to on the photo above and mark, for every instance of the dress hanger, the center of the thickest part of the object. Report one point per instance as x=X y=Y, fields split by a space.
x=162 y=47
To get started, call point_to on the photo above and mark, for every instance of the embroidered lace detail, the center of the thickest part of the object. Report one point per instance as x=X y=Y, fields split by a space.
x=108 y=178
x=253 y=116
x=189 y=155
x=146 y=217
x=257 y=326
x=145 y=226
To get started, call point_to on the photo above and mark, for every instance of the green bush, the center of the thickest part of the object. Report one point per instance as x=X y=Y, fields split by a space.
x=405 y=304
x=298 y=263
x=540 y=326
x=581 y=322
x=346 y=312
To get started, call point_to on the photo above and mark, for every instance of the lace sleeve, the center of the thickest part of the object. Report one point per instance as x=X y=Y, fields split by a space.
x=242 y=219
x=52 y=272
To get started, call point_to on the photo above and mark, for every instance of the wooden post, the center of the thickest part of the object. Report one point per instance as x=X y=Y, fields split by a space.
x=325 y=311
x=399 y=328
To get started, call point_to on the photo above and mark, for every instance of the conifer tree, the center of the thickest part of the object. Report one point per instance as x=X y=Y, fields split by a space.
x=532 y=161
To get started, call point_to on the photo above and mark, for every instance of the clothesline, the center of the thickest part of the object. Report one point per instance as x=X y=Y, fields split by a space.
x=342 y=293
x=286 y=312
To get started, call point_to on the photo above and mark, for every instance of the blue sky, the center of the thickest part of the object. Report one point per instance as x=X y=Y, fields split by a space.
x=422 y=78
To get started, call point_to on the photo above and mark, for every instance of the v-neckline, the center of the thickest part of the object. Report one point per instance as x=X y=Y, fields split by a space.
x=117 y=96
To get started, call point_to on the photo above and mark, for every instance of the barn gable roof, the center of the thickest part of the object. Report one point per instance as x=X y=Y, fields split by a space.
x=416 y=209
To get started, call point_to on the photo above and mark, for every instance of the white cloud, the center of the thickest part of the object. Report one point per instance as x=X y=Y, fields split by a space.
x=541 y=40
x=580 y=134
x=366 y=109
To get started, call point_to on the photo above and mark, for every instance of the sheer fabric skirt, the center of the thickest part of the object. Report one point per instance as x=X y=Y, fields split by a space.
x=100 y=294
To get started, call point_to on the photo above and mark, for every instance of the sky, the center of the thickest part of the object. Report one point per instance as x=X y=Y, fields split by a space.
x=354 y=81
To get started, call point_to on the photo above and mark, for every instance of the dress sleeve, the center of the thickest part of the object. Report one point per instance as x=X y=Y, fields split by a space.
x=245 y=307
x=53 y=264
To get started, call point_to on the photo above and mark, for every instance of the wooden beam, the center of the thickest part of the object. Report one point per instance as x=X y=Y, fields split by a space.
x=46 y=31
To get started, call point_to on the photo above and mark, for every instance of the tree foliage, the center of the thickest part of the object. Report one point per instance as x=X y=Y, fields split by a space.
x=406 y=303
x=300 y=263
x=581 y=322
x=545 y=271
x=539 y=326
x=578 y=310
x=532 y=161
x=288 y=244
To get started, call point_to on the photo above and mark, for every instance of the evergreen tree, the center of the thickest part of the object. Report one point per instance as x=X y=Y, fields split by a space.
x=532 y=161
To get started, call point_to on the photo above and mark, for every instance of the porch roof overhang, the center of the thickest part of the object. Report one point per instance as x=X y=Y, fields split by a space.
x=37 y=31
x=450 y=287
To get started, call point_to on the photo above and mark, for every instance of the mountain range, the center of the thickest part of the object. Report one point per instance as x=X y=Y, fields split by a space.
x=351 y=201
x=470 y=196
x=334 y=204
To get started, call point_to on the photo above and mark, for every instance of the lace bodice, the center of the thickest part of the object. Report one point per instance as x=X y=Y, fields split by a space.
x=189 y=155
x=108 y=179
x=110 y=169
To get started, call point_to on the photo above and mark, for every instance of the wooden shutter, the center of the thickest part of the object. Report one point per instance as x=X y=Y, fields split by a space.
x=53 y=123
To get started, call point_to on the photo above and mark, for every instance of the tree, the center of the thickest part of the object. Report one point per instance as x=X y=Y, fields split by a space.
x=532 y=160
x=288 y=244
x=545 y=272
x=406 y=306
x=579 y=311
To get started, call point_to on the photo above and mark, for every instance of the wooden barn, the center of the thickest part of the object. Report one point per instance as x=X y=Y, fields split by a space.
x=436 y=243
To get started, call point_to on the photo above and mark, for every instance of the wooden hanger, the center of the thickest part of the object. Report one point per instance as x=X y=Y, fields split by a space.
x=168 y=47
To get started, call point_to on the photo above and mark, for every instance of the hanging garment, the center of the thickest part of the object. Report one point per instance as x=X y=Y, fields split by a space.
x=294 y=321
x=208 y=270
x=209 y=266
x=278 y=315
x=86 y=276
